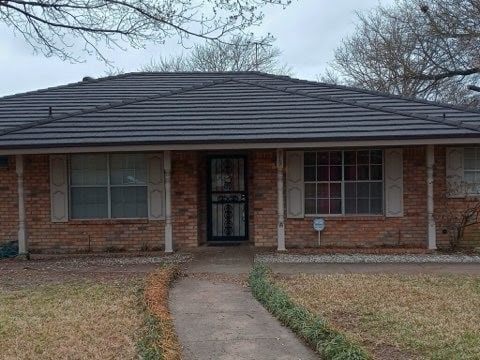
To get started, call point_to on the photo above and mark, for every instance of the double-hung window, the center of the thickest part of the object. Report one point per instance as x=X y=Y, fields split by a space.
x=343 y=182
x=106 y=186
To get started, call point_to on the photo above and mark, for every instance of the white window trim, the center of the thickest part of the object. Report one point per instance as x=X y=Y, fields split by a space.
x=108 y=186
x=342 y=182
x=467 y=185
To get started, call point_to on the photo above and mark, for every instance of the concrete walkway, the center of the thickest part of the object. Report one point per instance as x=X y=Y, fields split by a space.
x=217 y=319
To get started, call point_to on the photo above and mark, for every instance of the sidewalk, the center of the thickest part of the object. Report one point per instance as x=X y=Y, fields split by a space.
x=217 y=319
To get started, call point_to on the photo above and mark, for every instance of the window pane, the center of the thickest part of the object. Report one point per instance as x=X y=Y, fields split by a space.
x=363 y=206
x=88 y=169
x=335 y=190
x=350 y=206
x=335 y=158
x=376 y=206
x=363 y=190
x=469 y=177
x=310 y=173
x=376 y=172
x=376 y=157
x=363 y=172
x=363 y=157
x=335 y=173
x=310 y=158
x=310 y=191
x=129 y=202
x=310 y=206
x=335 y=206
x=322 y=173
x=323 y=190
x=350 y=190
x=89 y=203
x=376 y=190
x=351 y=172
x=323 y=206
x=350 y=157
x=128 y=169
x=322 y=158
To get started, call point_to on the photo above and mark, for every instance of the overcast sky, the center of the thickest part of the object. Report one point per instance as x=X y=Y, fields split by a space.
x=307 y=32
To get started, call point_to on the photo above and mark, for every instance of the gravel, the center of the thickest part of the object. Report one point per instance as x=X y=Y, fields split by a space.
x=367 y=258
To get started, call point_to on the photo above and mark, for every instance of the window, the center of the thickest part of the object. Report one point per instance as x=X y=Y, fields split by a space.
x=471 y=169
x=343 y=182
x=108 y=186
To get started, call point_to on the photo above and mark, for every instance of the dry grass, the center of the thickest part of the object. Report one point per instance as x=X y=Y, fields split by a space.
x=164 y=341
x=70 y=321
x=398 y=316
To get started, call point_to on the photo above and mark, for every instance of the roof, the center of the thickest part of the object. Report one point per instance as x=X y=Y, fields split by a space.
x=229 y=107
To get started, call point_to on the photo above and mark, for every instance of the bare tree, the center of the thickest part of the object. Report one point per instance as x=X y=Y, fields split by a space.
x=55 y=27
x=240 y=53
x=430 y=51
x=455 y=217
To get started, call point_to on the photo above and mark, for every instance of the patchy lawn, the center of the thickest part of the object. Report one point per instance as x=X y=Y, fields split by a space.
x=81 y=321
x=73 y=307
x=397 y=316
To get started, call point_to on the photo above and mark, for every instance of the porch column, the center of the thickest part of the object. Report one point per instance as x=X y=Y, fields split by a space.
x=167 y=167
x=22 y=238
x=280 y=210
x=432 y=240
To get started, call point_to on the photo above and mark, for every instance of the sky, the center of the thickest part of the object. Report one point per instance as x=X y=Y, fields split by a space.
x=307 y=33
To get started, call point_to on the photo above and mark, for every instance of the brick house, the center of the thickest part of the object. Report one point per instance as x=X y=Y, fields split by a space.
x=165 y=160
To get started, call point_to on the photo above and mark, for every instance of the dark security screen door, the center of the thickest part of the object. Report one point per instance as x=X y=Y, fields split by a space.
x=227 y=199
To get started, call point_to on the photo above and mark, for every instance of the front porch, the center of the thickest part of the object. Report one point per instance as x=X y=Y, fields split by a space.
x=217 y=197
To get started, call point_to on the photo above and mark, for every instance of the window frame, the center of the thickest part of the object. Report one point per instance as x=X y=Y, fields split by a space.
x=476 y=171
x=343 y=182
x=108 y=186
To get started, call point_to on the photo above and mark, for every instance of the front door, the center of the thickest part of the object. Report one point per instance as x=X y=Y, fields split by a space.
x=227 y=199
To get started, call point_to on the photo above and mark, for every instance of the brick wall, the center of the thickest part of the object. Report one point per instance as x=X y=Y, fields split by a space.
x=189 y=211
x=185 y=198
x=8 y=202
x=372 y=231
x=263 y=197
x=443 y=205
x=79 y=235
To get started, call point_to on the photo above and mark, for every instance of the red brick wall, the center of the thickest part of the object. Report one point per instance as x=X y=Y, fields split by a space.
x=185 y=198
x=8 y=202
x=79 y=235
x=370 y=231
x=263 y=197
x=189 y=211
x=443 y=205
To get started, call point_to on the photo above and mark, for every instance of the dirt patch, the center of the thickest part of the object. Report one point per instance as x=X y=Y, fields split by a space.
x=55 y=270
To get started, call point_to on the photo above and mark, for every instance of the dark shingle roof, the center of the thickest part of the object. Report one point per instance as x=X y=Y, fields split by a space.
x=161 y=108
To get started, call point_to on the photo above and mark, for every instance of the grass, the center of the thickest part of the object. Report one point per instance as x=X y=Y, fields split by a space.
x=397 y=316
x=70 y=321
x=159 y=340
x=330 y=343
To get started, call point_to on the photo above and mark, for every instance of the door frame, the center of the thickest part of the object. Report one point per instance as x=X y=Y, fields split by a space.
x=231 y=239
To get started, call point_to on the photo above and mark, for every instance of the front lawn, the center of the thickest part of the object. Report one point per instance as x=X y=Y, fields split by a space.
x=70 y=321
x=397 y=316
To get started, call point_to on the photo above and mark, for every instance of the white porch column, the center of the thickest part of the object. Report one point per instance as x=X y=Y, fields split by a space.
x=432 y=237
x=22 y=238
x=280 y=209
x=167 y=167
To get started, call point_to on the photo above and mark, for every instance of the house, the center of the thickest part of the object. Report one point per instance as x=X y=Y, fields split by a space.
x=167 y=160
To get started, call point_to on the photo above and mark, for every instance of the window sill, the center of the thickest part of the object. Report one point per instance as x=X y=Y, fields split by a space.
x=349 y=217
x=107 y=221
